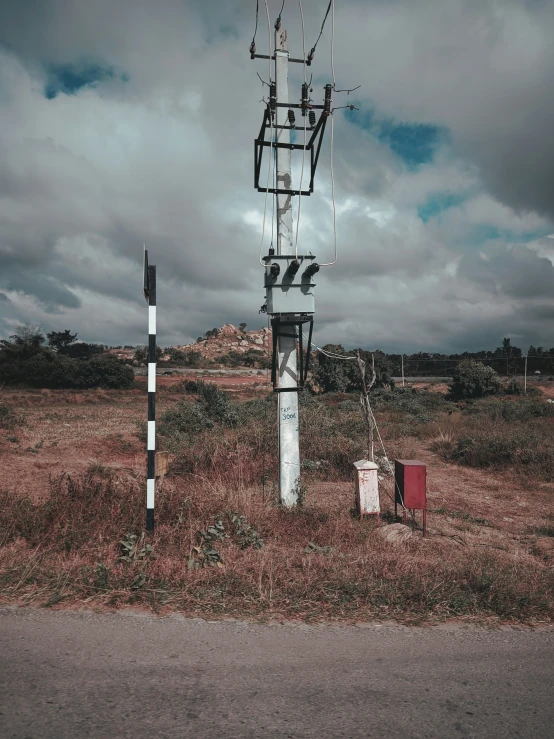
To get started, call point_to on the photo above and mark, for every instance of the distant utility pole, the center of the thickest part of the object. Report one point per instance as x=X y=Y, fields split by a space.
x=525 y=381
x=289 y=437
x=149 y=290
x=402 y=370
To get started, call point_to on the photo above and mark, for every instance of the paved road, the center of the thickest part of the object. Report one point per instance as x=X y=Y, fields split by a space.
x=78 y=675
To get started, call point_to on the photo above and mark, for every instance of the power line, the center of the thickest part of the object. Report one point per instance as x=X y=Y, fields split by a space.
x=271 y=137
x=332 y=137
x=278 y=21
x=305 y=125
x=253 y=44
x=312 y=52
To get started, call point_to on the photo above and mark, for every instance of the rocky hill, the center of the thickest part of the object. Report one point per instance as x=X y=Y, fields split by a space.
x=231 y=339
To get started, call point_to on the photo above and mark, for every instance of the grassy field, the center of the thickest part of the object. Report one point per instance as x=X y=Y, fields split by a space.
x=73 y=490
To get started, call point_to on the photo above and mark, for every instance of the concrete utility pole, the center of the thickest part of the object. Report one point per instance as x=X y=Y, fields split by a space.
x=289 y=443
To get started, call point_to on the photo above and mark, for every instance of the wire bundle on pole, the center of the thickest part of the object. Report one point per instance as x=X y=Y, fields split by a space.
x=269 y=176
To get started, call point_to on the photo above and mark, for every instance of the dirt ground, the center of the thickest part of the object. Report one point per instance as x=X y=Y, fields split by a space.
x=70 y=432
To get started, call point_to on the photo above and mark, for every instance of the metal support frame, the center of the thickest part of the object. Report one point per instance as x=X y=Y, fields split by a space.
x=266 y=56
x=291 y=321
x=313 y=146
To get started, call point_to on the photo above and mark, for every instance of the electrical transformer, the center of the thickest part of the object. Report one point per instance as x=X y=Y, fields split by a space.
x=289 y=285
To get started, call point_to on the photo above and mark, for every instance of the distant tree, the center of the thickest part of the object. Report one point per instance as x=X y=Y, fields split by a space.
x=25 y=342
x=212 y=332
x=141 y=354
x=474 y=380
x=242 y=326
x=342 y=375
x=175 y=354
x=509 y=353
x=82 y=350
x=28 y=334
x=193 y=358
x=60 y=340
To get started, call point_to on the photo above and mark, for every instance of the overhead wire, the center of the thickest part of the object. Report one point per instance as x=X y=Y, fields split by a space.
x=312 y=52
x=305 y=114
x=253 y=45
x=332 y=137
x=278 y=21
x=332 y=355
x=271 y=138
x=374 y=420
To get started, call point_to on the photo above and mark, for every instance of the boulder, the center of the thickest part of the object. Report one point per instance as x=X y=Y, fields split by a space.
x=544 y=547
x=395 y=533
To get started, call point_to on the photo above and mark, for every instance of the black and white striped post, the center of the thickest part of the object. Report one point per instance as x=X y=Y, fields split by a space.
x=149 y=289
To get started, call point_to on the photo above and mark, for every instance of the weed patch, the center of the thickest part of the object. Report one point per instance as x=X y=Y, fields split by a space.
x=218 y=551
x=8 y=417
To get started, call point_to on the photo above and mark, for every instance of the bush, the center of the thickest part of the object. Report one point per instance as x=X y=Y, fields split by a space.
x=342 y=375
x=216 y=405
x=522 y=409
x=183 y=420
x=473 y=380
x=421 y=406
x=520 y=445
x=514 y=387
x=189 y=419
x=105 y=371
x=47 y=369
x=8 y=417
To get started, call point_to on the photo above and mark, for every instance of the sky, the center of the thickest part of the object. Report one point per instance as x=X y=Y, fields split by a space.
x=128 y=123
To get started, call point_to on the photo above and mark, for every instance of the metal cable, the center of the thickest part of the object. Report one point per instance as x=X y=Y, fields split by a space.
x=329 y=264
x=340 y=356
x=271 y=137
x=305 y=129
x=256 y=26
x=278 y=21
x=322 y=27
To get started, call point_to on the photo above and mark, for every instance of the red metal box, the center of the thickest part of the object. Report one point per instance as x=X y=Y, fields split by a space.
x=411 y=483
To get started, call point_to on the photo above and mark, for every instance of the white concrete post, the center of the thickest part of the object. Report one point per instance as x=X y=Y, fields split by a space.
x=289 y=445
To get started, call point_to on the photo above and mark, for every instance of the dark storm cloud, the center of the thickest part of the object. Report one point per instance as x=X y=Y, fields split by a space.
x=516 y=271
x=132 y=122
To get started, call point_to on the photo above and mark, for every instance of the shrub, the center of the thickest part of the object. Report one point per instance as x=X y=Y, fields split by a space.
x=47 y=369
x=339 y=375
x=44 y=369
x=474 y=380
x=216 y=405
x=105 y=371
x=421 y=406
x=523 y=445
x=8 y=417
x=514 y=387
x=182 y=420
x=522 y=409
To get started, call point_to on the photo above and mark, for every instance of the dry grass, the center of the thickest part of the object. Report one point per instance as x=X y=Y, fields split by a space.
x=487 y=556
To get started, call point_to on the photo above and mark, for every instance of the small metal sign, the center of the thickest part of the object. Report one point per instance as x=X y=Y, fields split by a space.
x=145 y=280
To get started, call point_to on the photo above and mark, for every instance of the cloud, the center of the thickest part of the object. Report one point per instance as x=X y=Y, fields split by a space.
x=128 y=123
x=70 y=78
